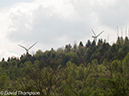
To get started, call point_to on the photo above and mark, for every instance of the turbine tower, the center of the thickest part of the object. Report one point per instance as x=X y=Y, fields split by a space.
x=27 y=50
x=125 y=31
x=95 y=36
x=117 y=32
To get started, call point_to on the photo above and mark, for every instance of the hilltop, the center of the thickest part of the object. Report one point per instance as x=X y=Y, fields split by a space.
x=78 y=70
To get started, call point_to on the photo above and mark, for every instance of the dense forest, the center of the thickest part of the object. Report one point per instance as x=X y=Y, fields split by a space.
x=80 y=70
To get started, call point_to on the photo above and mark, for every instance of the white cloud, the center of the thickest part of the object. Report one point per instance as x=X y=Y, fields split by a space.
x=55 y=23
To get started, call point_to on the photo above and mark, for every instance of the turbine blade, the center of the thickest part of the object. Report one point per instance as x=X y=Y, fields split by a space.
x=93 y=32
x=23 y=47
x=32 y=46
x=100 y=33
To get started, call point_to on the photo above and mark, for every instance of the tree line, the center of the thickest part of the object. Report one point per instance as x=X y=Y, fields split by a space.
x=80 y=70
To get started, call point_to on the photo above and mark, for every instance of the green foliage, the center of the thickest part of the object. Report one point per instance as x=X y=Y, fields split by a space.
x=71 y=56
x=91 y=70
x=3 y=80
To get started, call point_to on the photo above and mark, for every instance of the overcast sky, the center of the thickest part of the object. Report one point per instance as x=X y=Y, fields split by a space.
x=55 y=23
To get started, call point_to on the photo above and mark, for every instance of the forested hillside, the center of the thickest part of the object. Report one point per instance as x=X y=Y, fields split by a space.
x=88 y=69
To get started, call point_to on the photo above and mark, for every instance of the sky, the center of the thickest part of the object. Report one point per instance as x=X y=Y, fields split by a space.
x=55 y=23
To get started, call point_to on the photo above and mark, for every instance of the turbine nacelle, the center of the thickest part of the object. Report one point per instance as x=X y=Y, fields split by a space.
x=93 y=36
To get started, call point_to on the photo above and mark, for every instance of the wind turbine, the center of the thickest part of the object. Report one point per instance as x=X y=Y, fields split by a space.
x=27 y=50
x=95 y=36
